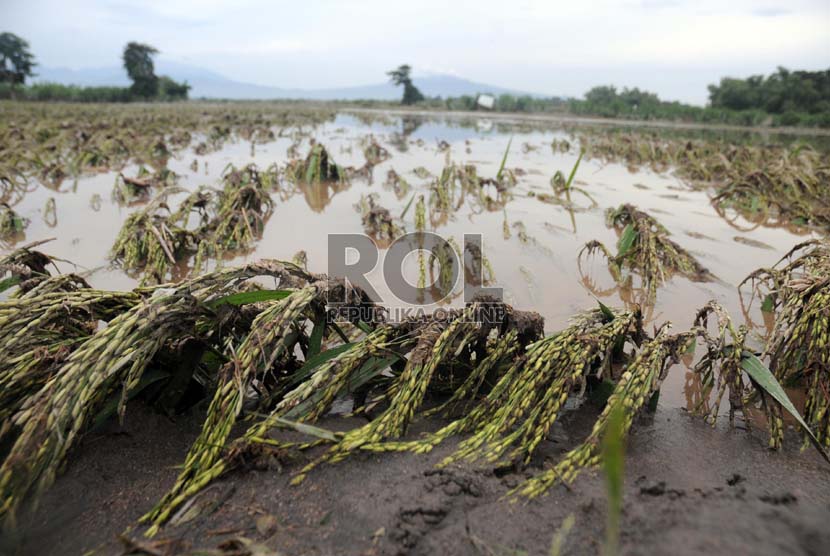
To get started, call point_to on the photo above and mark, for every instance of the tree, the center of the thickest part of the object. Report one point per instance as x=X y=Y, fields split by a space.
x=400 y=76
x=138 y=61
x=16 y=62
x=172 y=90
x=779 y=93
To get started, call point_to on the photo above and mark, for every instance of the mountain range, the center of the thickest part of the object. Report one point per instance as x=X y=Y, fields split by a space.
x=209 y=84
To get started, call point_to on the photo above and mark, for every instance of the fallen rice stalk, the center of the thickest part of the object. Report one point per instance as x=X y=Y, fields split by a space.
x=644 y=247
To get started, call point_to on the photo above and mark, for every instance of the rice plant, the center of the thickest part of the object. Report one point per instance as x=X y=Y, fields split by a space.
x=318 y=166
x=155 y=239
x=561 y=185
x=730 y=365
x=24 y=267
x=239 y=214
x=502 y=383
x=12 y=224
x=374 y=152
x=377 y=220
x=457 y=356
x=86 y=364
x=797 y=291
x=60 y=140
x=789 y=188
x=644 y=247
x=151 y=242
x=128 y=189
x=637 y=384
x=771 y=185
x=397 y=183
x=459 y=184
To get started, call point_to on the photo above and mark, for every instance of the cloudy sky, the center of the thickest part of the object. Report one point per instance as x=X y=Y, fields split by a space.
x=672 y=47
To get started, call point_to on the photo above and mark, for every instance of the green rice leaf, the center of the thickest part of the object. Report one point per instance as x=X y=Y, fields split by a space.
x=764 y=378
x=310 y=173
x=653 y=401
x=627 y=239
x=573 y=171
x=606 y=311
x=370 y=369
x=613 y=462
x=600 y=394
x=212 y=360
x=504 y=159
x=363 y=326
x=316 y=338
x=313 y=362
x=9 y=282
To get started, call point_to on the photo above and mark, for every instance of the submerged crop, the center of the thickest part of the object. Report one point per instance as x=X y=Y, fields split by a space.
x=256 y=347
x=644 y=247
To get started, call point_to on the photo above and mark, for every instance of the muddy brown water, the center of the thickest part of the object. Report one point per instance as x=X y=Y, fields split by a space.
x=540 y=274
x=689 y=488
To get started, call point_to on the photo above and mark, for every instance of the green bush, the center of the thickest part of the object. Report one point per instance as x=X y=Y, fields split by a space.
x=168 y=90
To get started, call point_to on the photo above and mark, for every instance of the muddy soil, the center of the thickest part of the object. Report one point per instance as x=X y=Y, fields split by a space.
x=690 y=489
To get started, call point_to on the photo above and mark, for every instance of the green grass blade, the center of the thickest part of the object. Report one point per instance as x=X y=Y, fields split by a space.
x=313 y=362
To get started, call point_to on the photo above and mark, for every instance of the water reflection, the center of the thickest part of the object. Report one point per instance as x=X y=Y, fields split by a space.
x=533 y=232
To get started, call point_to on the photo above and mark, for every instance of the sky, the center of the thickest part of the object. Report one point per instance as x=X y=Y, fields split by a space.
x=672 y=47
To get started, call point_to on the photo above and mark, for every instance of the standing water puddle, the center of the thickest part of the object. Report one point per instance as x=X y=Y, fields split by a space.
x=532 y=245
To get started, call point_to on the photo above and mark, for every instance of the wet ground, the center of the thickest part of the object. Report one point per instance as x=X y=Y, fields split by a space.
x=689 y=489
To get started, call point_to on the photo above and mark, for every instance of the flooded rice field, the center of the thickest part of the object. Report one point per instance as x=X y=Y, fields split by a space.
x=167 y=338
x=532 y=237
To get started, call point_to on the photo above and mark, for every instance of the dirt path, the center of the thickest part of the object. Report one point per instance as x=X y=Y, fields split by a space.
x=689 y=490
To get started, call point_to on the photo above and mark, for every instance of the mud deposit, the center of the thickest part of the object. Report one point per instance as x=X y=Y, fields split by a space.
x=689 y=489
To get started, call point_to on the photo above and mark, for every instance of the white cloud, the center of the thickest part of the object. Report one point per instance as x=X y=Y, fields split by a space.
x=675 y=47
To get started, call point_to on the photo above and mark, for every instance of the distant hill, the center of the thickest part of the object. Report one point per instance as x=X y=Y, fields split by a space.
x=209 y=84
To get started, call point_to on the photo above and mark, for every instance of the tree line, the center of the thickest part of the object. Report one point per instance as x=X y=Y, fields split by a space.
x=785 y=91
x=18 y=64
x=784 y=98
